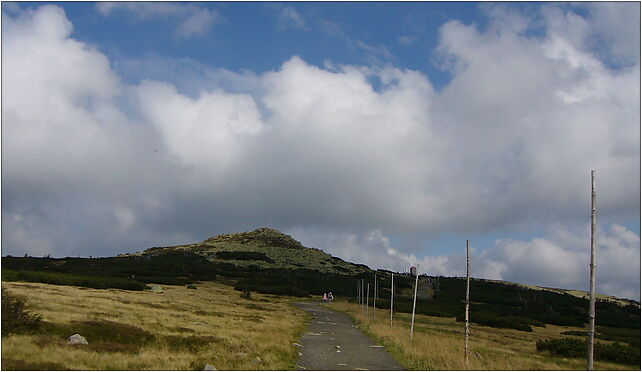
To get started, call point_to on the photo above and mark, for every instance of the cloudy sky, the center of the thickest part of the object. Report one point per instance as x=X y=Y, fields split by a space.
x=382 y=133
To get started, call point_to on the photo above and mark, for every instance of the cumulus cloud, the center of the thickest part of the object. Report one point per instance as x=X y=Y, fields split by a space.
x=352 y=151
x=192 y=20
x=558 y=260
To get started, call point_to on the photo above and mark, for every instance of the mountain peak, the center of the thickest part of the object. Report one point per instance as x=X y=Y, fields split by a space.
x=263 y=236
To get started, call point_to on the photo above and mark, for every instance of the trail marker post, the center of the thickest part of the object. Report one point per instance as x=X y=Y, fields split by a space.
x=467 y=330
x=591 y=332
x=414 y=303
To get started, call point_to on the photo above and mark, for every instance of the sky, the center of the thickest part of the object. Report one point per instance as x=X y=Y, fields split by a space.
x=383 y=133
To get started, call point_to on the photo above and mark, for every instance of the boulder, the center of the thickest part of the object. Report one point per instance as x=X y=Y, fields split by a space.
x=77 y=339
x=209 y=367
x=157 y=289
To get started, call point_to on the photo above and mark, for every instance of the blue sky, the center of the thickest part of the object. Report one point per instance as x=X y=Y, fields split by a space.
x=383 y=133
x=260 y=36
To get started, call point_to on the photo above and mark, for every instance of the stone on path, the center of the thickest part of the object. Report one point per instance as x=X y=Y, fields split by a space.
x=209 y=367
x=77 y=339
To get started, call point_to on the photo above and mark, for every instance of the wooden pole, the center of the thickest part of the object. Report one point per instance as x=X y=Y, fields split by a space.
x=367 y=298
x=591 y=332
x=392 y=293
x=467 y=330
x=374 y=300
x=362 y=301
x=414 y=303
x=358 y=294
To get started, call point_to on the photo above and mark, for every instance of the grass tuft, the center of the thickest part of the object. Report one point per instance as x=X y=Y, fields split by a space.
x=15 y=317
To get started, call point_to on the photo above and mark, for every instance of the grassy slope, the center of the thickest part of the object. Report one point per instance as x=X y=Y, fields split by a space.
x=438 y=344
x=286 y=252
x=189 y=328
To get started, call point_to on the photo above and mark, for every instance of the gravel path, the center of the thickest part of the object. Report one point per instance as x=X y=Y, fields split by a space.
x=333 y=342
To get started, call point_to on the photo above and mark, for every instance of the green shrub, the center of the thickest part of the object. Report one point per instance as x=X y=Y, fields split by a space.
x=564 y=347
x=15 y=317
x=617 y=353
x=577 y=348
x=491 y=320
x=243 y=256
x=52 y=277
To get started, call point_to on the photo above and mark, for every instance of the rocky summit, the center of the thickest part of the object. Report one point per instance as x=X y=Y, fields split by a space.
x=263 y=236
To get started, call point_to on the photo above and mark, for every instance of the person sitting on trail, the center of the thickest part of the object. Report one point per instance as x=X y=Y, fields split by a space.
x=330 y=297
x=325 y=297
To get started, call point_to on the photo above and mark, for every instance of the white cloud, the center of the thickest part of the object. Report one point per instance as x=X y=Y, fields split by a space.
x=559 y=260
x=289 y=18
x=354 y=150
x=192 y=20
x=197 y=23
x=209 y=131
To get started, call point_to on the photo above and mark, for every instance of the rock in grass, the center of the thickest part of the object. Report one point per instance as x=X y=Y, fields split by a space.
x=77 y=339
x=209 y=367
x=258 y=360
x=157 y=289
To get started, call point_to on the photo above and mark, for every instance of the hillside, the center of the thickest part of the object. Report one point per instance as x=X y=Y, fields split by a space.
x=270 y=262
x=264 y=248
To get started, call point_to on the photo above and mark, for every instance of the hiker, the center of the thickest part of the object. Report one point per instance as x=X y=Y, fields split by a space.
x=330 y=297
x=325 y=297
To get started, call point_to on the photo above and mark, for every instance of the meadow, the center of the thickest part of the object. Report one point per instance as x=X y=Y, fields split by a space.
x=438 y=343
x=180 y=329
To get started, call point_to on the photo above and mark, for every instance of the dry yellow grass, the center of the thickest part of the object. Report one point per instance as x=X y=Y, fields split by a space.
x=438 y=344
x=242 y=330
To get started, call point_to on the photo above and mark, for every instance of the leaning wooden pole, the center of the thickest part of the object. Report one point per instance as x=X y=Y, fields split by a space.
x=414 y=303
x=466 y=329
x=591 y=332
x=392 y=293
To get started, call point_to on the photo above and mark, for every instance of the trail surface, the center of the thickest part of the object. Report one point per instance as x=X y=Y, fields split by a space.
x=333 y=342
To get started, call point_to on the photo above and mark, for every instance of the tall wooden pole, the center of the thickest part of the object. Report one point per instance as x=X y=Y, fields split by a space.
x=392 y=293
x=374 y=300
x=591 y=332
x=414 y=303
x=362 y=293
x=367 y=298
x=358 y=294
x=467 y=330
